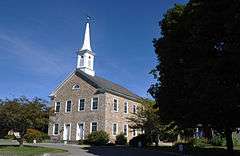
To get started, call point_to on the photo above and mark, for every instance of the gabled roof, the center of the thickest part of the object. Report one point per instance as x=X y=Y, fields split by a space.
x=107 y=86
x=102 y=85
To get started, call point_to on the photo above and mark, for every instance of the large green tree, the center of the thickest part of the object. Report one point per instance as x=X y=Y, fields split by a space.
x=147 y=119
x=21 y=114
x=199 y=69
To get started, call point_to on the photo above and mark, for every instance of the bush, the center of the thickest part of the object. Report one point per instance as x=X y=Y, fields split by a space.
x=98 y=138
x=199 y=142
x=82 y=142
x=121 y=139
x=236 y=139
x=33 y=134
x=142 y=139
x=218 y=140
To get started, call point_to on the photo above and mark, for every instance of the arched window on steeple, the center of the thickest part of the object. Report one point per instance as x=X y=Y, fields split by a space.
x=89 y=61
x=81 y=61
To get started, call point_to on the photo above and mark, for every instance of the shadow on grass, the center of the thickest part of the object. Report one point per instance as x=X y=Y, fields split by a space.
x=212 y=152
x=155 y=151
x=124 y=151
x=208 y=151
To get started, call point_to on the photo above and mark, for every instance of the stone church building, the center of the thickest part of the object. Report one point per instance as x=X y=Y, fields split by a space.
x=84 y=102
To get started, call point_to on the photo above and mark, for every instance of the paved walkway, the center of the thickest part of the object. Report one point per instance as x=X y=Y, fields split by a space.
x=79 y=150
x=73 y=150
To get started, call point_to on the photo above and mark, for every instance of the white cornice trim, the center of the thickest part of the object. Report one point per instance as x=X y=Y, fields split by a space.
x=53 y=93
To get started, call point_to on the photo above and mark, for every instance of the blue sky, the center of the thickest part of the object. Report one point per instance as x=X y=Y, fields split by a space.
x=38 y=40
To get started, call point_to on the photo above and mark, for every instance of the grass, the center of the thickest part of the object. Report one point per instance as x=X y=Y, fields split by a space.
x=28 y=150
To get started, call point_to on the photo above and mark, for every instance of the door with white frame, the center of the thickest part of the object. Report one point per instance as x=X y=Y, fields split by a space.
x=67 y=132
x=80 y=131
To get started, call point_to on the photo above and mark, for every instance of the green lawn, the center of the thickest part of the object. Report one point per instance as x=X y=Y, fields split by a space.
x=28 y=150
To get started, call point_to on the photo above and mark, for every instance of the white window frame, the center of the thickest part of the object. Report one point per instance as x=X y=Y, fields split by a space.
x=83 y=130
x=126 y=102
x=127 y=129
x=79 y=104
x=66 y=106
x=92 y=104
x=116 y=129
x=54 y=129
x=91 y=126
x=117 y=105
x=56 y=106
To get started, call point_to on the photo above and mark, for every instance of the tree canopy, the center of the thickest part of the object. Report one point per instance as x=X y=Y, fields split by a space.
x=198 y=71
x=21 y=114
x=147 y=119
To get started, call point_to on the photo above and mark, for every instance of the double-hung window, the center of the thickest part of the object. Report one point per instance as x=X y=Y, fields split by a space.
x=81 y=104
x=134 y=132
x=93 y=126
x=114 y=129
x=94 y=103
x=125 y=130
x=115 y=105
x=69 y=106
x=57 y=107
x=134 y=109
x=125 y=107
x=55 y=129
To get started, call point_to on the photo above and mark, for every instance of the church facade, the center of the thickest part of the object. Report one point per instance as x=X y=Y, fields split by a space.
x=84 y=102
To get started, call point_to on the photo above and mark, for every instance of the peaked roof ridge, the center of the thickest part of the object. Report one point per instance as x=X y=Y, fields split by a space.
x=108 y=86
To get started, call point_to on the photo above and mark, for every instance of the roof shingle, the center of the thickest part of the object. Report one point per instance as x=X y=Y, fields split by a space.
x=108 y=86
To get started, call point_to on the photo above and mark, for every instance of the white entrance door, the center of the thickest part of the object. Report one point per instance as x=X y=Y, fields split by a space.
x=66 y=132
x=80 y=131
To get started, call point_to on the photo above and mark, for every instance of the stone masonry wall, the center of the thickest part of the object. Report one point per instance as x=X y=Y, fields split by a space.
x=105 y=116
x=87 y=116
x=118 y=117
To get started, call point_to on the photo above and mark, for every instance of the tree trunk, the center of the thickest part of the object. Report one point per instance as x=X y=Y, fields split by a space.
x=157 y=140
x=20 y=141
x=229 y=141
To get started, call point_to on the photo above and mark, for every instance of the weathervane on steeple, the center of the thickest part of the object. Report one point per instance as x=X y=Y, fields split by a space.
x=89 y=19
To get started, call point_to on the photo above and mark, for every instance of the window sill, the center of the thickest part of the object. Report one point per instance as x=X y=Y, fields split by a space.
x=56 y=134
x=94 y=110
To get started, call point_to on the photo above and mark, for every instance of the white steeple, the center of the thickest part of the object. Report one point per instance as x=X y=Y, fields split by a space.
x=86 y=42
x=85 y=59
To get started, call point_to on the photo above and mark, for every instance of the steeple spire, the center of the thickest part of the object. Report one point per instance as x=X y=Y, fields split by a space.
x=85 y=59
x=86 y=41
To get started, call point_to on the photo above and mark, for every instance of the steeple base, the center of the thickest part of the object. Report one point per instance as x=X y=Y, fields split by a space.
x=87 y=71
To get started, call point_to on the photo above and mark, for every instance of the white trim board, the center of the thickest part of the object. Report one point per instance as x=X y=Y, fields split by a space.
x=61 y=84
